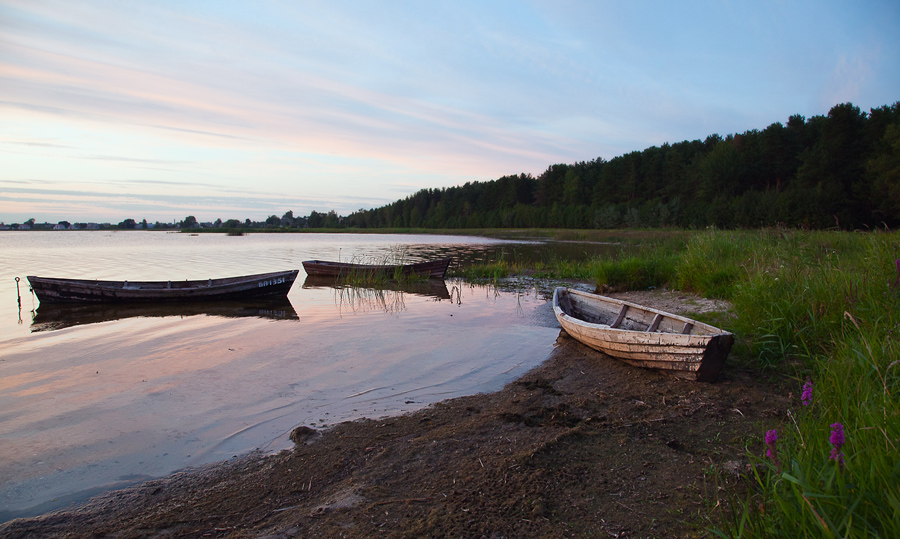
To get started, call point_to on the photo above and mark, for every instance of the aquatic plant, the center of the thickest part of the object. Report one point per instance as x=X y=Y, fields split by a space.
x=376 y=270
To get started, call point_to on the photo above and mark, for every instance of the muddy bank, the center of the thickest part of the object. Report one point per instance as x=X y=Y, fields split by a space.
x=581 y=446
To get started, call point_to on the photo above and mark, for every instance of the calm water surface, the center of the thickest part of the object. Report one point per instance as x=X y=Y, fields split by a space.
x=98 y=398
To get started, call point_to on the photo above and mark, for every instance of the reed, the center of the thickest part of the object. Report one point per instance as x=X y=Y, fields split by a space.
x=366 y=276
x=487 y=272
x=642 y=259
x=363 y=299
x=550 y=269
x=493 y=271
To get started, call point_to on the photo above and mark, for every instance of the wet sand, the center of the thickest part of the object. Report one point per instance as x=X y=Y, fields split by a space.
x=581 y=445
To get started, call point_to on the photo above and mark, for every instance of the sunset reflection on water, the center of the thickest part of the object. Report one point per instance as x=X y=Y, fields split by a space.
x=95 y=404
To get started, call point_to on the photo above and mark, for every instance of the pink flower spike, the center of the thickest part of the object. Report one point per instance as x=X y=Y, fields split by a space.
x=771 y=438
x=837 y=440
x=806 y=397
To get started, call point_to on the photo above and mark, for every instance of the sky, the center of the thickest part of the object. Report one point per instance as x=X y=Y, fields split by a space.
x=162 y=109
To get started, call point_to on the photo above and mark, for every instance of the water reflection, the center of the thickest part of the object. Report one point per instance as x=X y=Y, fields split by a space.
x=432 y=288
x=50 y=316
x=386 y=296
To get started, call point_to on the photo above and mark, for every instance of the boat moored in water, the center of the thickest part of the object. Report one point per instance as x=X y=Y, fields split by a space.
x=52 y=290
x=434 y=269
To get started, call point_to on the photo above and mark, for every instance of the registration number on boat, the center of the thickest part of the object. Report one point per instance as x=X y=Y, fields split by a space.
x=270 y=282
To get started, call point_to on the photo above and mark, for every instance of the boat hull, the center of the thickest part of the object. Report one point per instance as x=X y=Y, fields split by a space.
x=699 y=354
x=435 y=269
x=49 y=290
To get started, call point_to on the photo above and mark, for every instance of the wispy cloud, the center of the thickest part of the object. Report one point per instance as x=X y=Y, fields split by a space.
x=133 y=160
x=33 y=143
x=381 y=99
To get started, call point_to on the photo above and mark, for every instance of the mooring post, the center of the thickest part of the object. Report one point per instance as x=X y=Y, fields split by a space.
x=18 y=295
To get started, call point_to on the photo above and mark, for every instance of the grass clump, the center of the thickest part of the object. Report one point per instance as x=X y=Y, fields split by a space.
x=712 y=263
x=648 y=262
x=377 y=271
x=492 y=272
x=635 y=272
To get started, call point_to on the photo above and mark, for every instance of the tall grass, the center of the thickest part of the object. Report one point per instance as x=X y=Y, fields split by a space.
x=712 y=264
x=804 y=492
x=822 y=307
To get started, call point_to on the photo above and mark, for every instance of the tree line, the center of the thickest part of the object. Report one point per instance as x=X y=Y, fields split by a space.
x=841 y=170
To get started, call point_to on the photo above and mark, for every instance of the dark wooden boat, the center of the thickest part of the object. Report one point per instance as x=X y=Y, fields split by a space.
x=435 y=269
x=232 y=288
x=643 y=336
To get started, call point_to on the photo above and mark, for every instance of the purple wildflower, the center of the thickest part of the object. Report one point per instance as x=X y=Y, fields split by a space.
x=806 y=397
x=771 y=438
x=837 y=440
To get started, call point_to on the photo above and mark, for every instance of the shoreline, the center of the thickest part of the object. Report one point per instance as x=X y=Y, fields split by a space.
x=578 y=444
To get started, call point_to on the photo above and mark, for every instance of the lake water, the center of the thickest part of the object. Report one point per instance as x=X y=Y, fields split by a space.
x=98 y=398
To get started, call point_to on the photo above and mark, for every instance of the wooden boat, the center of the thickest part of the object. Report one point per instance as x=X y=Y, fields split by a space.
x=642 y=336
x=231 y=288
x=435 y=269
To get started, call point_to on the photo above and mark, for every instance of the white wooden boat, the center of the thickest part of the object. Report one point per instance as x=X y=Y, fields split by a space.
x=642 y=336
